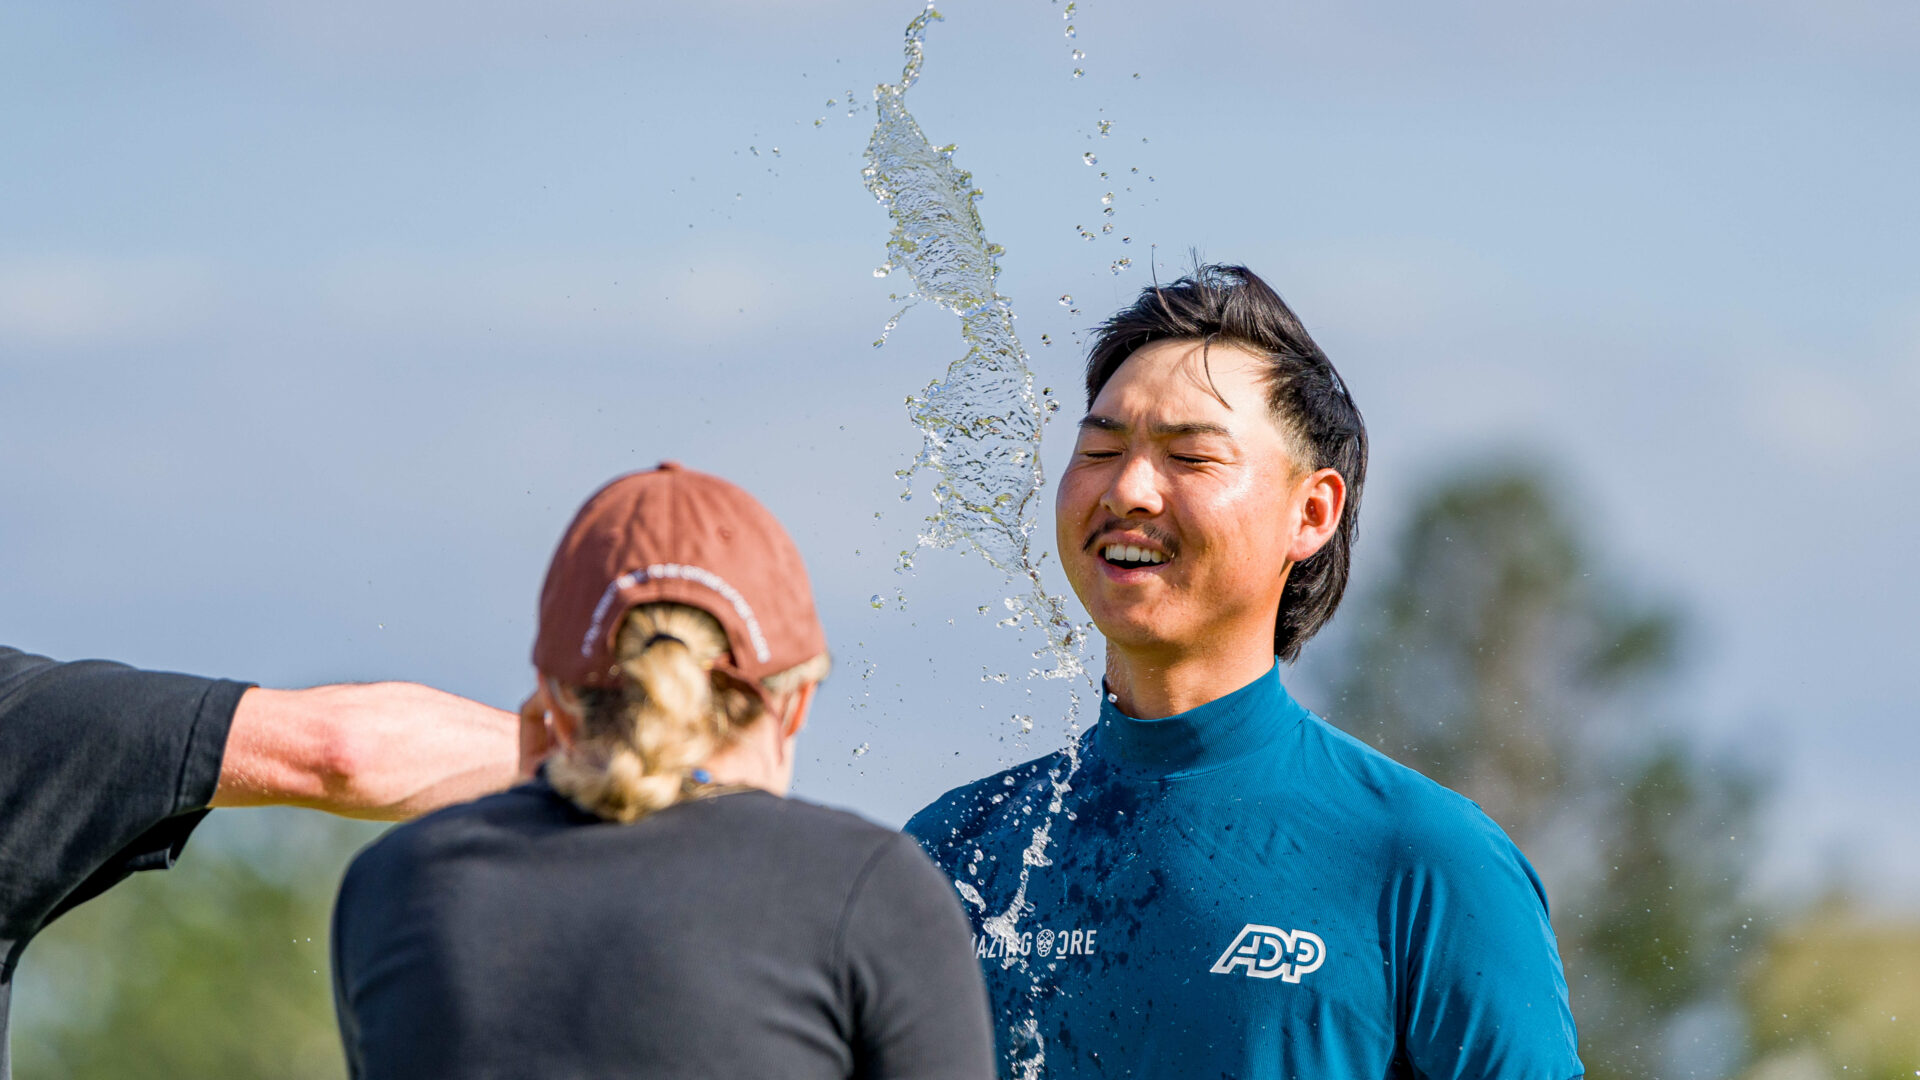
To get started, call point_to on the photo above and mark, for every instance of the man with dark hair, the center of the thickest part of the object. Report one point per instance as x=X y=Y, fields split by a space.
x=1215 y=882
x=106 y=770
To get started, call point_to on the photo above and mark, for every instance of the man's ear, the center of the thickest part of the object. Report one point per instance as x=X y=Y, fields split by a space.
x=1321 y=497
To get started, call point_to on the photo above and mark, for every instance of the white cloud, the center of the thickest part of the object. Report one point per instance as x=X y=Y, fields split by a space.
x=79 y=300
x=457 y=28
x=1818 y=409
x=1812 y=416
x=715 y=294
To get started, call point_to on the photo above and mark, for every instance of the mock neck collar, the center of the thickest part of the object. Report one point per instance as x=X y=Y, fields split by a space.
x=1202 y=738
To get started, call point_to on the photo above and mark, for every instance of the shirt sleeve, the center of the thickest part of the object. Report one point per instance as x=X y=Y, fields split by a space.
x=1484 y=995
x=918 y=1003
x=104 y=770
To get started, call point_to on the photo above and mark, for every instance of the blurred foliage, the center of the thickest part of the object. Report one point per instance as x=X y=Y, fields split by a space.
x=1500 y=659
x=1837 y=994
x=215 y=969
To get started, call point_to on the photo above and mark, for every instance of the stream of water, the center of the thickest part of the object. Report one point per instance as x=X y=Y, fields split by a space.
x=980 y=423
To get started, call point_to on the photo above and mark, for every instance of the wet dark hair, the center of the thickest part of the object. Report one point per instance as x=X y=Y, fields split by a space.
x=1230 y=305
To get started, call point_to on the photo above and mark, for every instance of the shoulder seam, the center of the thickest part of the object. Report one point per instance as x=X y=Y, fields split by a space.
x=853 y=896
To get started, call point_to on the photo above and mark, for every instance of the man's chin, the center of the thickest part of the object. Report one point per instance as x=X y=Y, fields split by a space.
x=1135 y=630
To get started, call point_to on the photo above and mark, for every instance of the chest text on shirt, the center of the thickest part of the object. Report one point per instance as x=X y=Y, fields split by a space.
x=1048 y=941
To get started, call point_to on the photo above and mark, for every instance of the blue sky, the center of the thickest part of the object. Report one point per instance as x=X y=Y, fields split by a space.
x=317 y=321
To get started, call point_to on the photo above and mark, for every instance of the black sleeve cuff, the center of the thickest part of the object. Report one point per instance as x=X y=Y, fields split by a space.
x=207 y=746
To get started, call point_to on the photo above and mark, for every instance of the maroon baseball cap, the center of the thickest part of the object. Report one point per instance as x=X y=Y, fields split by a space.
x=685 y=537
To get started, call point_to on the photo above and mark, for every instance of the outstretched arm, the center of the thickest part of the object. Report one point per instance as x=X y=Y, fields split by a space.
x=385 y=751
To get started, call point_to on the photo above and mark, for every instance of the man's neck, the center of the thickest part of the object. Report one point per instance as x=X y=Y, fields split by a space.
x=1154 y=686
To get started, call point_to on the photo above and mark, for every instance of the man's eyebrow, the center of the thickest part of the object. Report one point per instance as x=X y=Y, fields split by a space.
x=1191 y=427
x=1097 y=422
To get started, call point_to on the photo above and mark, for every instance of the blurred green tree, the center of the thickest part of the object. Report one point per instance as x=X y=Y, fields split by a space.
x=1837 y=993
x=1498 y=659
x=216 y=968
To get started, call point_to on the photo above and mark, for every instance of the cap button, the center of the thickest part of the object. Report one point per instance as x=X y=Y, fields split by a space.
x=666 y=465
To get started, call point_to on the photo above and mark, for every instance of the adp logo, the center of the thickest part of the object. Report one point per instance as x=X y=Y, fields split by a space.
x=1268 y=952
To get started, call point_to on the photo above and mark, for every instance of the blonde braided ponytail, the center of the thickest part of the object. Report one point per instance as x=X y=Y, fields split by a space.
x=640 y=744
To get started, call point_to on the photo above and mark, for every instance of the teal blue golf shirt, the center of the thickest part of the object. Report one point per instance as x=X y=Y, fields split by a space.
x=1244 y=891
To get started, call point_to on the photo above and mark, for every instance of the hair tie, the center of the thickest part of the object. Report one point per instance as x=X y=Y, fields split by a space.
x=702 y=776
x=662 y=637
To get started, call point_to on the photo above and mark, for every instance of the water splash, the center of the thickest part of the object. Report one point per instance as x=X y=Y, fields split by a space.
x=980 y=423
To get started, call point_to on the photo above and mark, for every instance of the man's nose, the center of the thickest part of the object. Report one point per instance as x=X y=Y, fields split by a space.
x=1135 y=491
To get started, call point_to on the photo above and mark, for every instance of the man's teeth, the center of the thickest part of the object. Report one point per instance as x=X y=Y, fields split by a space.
x=1129 y=553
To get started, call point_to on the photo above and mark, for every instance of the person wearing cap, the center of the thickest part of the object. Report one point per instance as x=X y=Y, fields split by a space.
x=651 y=904
x=106 y=770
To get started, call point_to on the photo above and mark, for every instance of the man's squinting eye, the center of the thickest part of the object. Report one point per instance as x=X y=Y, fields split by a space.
x=1199 y=455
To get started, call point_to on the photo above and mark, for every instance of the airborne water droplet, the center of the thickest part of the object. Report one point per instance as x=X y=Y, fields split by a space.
x=1089 y=159
x=1066 y=300
x=876 y=601
x=1107 y=199
x=861 y=750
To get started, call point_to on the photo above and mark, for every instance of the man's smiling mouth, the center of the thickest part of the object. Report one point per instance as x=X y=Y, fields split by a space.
x=1130 y=557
